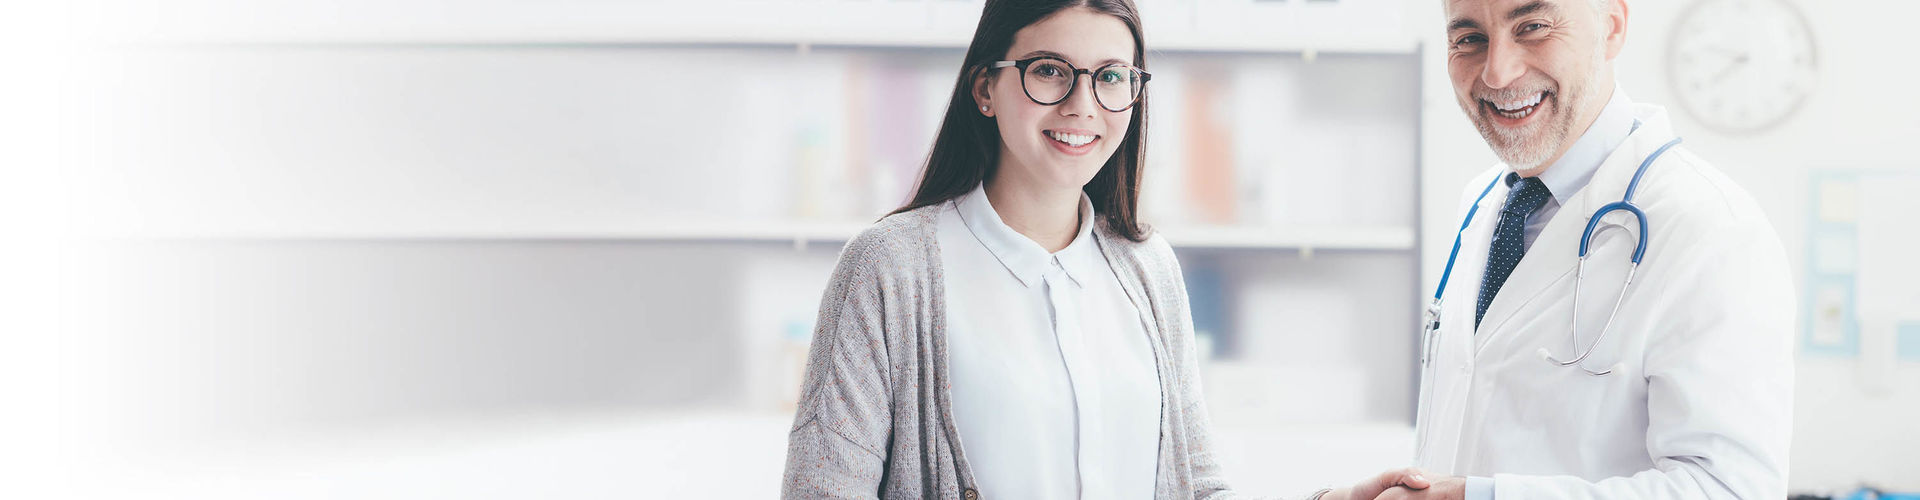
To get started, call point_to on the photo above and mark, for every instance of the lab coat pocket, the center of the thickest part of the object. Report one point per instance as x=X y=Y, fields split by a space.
x=1601 y=288
x=1593 y=326
x=1536 y=359
x=1568 y=411
x=1560 y=344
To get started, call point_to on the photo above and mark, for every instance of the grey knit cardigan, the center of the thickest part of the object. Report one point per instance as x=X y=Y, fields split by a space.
x=875 y=416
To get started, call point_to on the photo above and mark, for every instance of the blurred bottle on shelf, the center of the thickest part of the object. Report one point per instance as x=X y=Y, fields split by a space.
x=792 y=363
x=815 y=171
x=1209 y=155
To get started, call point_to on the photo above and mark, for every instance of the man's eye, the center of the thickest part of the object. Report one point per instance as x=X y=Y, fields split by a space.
x=1469 y=39
x=1532 y=27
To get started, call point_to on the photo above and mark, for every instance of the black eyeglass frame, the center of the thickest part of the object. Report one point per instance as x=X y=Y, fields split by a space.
x=1074 y=82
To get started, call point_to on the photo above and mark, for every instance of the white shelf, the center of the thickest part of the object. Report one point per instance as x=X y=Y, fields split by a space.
x=658 y=456
x=1304 y=238
x=1353 y=26
x=801 y=234
x=798 y=233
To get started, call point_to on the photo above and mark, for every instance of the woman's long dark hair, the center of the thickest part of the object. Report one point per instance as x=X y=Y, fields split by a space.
x=967 y=148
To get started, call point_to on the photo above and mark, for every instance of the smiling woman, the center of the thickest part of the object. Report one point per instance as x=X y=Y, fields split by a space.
x=1016 y=305
x=1027 y=201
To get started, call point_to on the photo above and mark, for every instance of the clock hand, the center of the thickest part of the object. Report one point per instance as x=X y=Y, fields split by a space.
x=1723 y=51
x=1735 y=66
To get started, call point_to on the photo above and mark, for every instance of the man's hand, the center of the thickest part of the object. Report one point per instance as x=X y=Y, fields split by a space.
x=1449 y=488
x=1408 y=479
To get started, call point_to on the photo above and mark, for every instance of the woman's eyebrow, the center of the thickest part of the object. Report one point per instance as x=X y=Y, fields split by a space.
x=1063 y=57
x=1044 y=53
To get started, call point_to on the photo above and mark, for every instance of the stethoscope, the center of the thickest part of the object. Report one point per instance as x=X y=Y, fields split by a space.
x=1432 y=324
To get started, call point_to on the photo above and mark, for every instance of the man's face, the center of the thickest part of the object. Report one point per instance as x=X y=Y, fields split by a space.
x=1529 y=73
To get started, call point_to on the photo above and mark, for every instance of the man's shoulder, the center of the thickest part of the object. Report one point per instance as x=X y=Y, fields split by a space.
x=1691 y=191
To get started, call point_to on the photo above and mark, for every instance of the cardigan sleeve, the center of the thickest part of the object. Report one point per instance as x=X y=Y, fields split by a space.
x=837 y=446
x=1161 y=271
x=1177 y=324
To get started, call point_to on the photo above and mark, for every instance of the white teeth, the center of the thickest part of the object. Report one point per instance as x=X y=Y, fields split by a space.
x=1516 y=114
x=1518 y=105
x=1075 y=140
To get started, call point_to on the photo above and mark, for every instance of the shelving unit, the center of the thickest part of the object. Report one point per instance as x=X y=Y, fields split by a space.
x=520 y=143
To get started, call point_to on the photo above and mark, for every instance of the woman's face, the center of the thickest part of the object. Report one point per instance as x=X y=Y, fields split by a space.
x=1062 y=145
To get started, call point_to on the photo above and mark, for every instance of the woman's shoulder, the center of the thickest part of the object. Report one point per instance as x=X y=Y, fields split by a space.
x=1152 y=252
x=902 y=243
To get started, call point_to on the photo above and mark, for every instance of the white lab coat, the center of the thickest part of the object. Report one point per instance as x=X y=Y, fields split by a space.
x=1700 y=404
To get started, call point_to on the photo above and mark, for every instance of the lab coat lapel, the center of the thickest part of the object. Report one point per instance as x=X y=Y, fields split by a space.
x=1439 y=437
x=1463 y=290
x=1550 y=259
x=1555 y=253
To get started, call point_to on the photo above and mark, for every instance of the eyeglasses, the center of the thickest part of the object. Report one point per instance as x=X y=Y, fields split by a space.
x=1048 y=80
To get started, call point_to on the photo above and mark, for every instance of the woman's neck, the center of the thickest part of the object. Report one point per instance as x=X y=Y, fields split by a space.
x=1050 y=217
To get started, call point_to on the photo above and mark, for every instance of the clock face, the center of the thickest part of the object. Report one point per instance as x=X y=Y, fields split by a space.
x=1741 y=66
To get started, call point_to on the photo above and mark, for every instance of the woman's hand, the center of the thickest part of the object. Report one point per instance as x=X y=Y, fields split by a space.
x=1410 y=477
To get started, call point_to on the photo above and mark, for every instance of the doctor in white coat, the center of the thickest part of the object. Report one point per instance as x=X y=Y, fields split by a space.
x=1689 y=392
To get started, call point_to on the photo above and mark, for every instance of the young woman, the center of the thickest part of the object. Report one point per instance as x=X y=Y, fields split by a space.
x=1014 y=332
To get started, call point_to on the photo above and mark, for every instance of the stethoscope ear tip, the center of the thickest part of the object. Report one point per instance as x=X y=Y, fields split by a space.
x=1544 y=354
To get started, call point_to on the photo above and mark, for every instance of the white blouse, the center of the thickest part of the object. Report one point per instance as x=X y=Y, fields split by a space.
x=1054 y=389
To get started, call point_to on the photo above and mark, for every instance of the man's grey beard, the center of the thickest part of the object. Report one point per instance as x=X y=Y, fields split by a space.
x=1512 y=145
x=1528 y=147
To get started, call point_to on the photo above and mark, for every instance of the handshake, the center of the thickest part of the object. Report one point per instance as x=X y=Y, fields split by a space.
x=1401 y=484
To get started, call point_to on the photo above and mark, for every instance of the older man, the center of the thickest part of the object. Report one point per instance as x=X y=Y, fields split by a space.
x=1655 y=371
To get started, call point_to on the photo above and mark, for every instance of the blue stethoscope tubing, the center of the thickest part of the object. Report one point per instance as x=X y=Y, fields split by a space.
x=1432 y=324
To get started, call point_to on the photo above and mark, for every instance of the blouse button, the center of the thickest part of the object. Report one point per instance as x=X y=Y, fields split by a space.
x=971 y=495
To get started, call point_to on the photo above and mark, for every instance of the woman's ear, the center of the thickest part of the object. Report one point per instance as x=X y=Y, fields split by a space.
x=982 y=98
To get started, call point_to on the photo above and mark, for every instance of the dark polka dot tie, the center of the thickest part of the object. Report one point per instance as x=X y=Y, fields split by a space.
x=1509 y=239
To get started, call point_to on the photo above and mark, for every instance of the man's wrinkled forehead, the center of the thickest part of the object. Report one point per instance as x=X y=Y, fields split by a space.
x=1479 y=14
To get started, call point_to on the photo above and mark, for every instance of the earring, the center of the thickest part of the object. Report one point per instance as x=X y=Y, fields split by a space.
x=983 y=109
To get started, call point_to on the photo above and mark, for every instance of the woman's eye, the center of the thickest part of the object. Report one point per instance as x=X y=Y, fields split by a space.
x=1047 y=70
x=1111 y=76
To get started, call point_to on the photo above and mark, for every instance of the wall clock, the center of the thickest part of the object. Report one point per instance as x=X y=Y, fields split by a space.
x=1742 y=66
